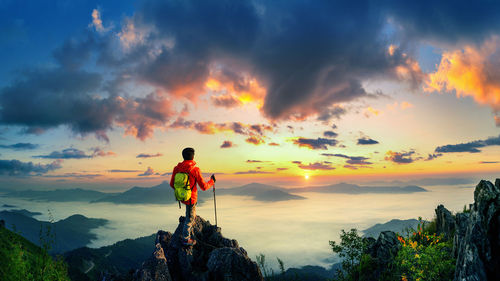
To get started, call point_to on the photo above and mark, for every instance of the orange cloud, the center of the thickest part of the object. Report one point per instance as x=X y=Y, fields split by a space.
x=470 y=72
x=236 y=90
x=255 y=140
x=371 y=111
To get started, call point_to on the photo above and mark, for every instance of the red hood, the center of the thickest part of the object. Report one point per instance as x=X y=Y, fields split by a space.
x=186 y=165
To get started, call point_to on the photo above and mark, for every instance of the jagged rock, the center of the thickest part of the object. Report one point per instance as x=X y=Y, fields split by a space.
x=478 y=236
x=232 y=264
x=445 y=222
x=214 y=257
x=386 y=247
x=156 y=268
x=461 y=223
x=383 y=251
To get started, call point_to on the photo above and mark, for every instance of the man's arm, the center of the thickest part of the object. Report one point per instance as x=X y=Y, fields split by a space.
x=201 y=183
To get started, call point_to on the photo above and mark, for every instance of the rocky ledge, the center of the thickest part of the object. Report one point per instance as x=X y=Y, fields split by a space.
x=214 y=257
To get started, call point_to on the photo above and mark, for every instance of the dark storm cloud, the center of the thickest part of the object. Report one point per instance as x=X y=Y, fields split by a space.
x=472 y=147
x=18 y=168
x=308 y=55
x=47 y=98
x=319 y=143
x=450 y=21
x=366 y=141
x=20 y=146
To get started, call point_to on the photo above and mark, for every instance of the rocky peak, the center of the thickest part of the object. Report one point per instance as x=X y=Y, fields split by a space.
x=214 y=257
x=476 y=235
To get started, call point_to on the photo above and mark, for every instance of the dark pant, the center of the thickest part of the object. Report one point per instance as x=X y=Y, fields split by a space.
x=188 y=221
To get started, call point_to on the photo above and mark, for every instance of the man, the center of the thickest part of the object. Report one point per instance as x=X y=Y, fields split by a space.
x=194 y=175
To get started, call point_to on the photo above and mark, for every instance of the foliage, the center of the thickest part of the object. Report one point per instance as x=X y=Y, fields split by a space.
x=351 y=249
x=22 y=260
x=424 y=256
x=466 y=210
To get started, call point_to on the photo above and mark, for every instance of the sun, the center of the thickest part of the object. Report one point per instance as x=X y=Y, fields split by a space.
x=306 y=177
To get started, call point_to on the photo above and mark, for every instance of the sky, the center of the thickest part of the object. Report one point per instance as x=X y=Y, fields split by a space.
x=106 y=94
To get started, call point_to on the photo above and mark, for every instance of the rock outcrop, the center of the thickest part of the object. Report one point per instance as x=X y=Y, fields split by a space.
x=476 y=234
x=445 y=222
x=383 y=250
x=214 y=257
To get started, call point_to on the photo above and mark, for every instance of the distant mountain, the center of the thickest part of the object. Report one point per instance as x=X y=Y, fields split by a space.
x=26 y=213
x=66 y=234
x=159 y=194
x=260 y=192
x=8 y=206
x=58 y=195
x=395 y=225
x=118 y=259
x=356 y=189
x=428 y=182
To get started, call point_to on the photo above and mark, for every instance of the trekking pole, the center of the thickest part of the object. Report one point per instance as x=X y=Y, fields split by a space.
x=215 y=207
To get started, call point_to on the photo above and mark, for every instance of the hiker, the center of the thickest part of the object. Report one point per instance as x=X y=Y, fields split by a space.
x=188 y=166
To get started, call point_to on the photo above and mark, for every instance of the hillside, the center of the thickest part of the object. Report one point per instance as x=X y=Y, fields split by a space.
x=22 y=260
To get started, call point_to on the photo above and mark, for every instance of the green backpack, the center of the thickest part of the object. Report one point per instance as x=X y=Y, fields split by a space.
x=182 y=188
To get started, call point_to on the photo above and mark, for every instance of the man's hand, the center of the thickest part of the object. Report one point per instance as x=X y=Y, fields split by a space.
x=213 y=177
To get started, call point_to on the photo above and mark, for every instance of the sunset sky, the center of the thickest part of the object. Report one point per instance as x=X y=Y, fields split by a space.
x=108 y=93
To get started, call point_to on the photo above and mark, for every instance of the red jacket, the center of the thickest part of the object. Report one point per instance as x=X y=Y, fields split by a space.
x=189 y=166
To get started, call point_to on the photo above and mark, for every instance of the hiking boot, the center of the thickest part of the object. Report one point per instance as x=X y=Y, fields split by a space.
x=189 y=242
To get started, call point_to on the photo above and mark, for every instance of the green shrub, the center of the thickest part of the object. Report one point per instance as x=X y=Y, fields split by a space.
x=424 y=256
x=351 y=249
